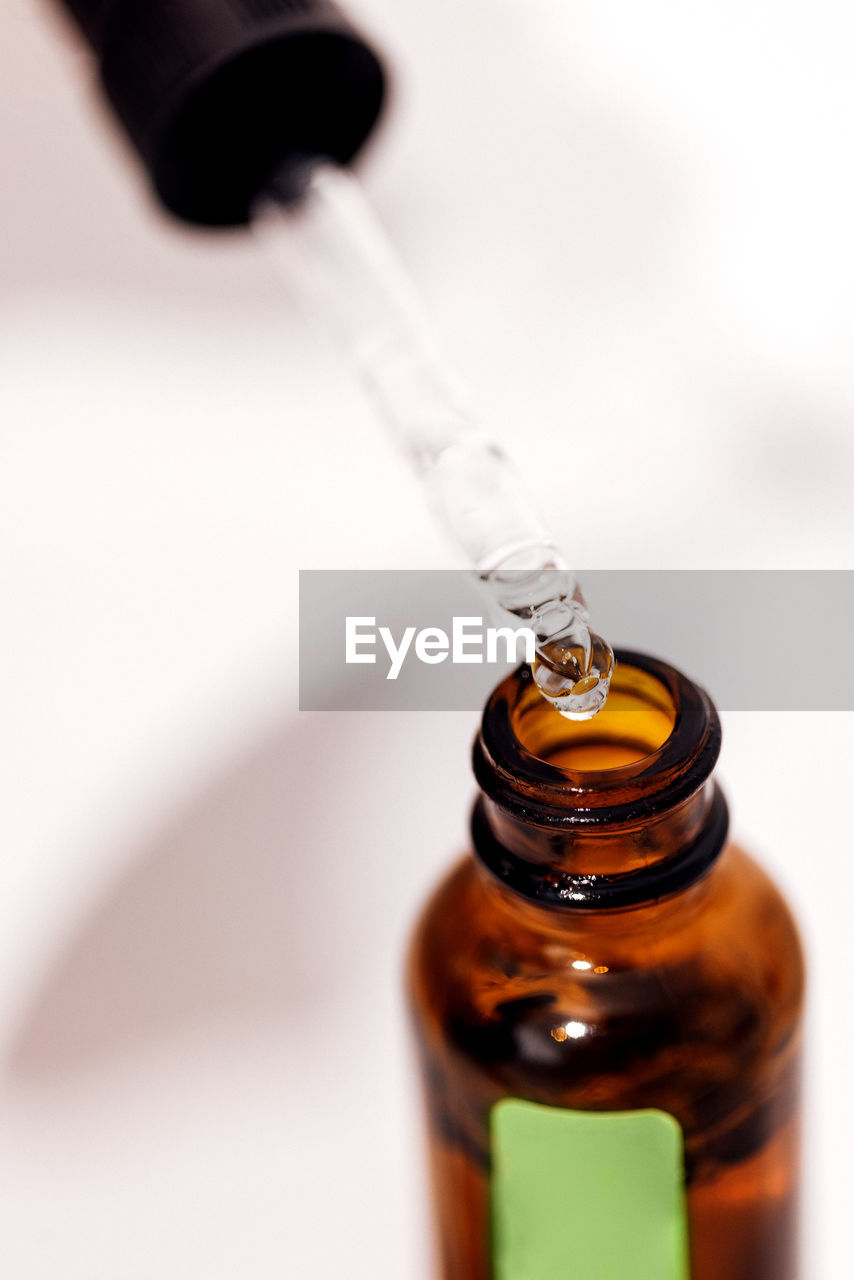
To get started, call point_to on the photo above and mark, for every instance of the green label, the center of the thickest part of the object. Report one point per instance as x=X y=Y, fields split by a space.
x=587 y=1195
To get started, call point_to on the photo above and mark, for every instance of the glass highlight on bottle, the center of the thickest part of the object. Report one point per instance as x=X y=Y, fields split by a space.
x=607 y=995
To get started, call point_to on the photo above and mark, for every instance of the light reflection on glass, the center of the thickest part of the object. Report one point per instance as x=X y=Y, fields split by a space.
x=569 y=1031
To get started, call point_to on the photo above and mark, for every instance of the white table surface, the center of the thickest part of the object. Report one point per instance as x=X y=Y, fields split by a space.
x=634 y=225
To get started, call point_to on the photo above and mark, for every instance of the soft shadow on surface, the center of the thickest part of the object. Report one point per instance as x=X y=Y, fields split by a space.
x=282 y=888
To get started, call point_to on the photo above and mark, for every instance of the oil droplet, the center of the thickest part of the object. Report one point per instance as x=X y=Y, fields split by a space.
x=584 y=686
x=575 y=682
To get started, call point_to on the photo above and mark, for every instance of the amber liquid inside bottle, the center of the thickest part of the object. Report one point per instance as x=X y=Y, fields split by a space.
x=605 y=949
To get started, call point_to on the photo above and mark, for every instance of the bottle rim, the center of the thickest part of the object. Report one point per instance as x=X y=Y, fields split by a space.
x=534 y=788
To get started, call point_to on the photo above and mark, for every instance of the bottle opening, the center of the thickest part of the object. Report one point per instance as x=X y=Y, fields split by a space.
x=637 y=719
x=655 y=741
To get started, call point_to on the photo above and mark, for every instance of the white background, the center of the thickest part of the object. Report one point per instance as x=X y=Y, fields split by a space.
x=633 y=223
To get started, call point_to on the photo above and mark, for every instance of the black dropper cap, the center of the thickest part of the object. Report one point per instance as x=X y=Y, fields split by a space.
x=217 y=95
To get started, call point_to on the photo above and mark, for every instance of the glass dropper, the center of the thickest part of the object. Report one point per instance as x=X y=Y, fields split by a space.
x=321 y=233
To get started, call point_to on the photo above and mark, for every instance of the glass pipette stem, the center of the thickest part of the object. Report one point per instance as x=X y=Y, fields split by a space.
x=333 y=253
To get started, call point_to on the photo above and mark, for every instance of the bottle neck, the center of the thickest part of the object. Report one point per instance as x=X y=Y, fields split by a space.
x=646 y=822
x=604 y=869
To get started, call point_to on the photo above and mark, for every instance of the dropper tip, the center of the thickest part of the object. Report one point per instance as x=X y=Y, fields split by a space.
x=574 y=683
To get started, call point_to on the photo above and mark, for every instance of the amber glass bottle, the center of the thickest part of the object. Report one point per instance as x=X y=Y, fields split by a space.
x=607 y=998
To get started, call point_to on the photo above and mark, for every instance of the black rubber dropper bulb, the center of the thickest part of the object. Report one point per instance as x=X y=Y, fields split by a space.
x=218 y=96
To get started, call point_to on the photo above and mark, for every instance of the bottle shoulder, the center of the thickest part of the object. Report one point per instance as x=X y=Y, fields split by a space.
x=718 y=967
x=736 y=907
